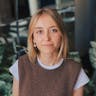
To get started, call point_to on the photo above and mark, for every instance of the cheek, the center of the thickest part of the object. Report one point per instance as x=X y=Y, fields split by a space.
x=58 y=40
x=37 y=41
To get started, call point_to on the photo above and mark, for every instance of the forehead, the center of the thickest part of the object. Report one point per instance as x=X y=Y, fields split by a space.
x=45 y=20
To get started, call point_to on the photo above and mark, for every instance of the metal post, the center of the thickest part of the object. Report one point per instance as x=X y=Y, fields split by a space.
x=17 y=24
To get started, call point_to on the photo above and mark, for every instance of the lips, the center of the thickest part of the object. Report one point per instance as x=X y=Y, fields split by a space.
x=47 y=44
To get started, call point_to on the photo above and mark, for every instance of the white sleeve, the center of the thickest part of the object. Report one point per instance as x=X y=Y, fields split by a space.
x=82 y=79
x=14 y=70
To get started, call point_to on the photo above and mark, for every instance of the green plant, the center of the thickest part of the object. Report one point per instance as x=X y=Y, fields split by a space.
x=5 y=84
x=5 y=61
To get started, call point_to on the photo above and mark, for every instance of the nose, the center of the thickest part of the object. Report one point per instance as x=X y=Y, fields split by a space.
x=47 y=36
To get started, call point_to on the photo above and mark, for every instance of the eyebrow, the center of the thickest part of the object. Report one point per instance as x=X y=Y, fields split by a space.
x=38 y=28
x=53 y=26
x=42 y=27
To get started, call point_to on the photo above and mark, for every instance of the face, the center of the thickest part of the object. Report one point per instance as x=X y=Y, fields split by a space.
x=47 y=35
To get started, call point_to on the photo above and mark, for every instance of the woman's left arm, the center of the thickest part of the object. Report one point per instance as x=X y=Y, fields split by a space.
x=78 y=92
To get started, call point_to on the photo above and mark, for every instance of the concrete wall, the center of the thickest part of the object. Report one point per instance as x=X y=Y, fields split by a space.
x=5 y=11
x=84 y=25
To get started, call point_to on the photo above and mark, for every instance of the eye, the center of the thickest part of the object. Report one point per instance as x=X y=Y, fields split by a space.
x=39 y=32
x=54 y=30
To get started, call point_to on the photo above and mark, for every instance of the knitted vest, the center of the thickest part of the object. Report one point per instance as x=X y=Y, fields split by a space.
x=37 y=81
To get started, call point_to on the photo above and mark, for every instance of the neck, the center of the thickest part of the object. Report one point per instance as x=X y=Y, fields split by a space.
x=48 y=59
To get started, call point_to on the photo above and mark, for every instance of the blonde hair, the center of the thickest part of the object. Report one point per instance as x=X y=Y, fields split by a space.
x=32 y=52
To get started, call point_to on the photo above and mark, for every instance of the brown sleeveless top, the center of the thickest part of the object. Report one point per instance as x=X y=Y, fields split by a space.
x=37 y=81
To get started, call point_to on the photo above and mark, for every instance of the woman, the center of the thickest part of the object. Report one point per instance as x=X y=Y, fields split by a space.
x=45 y=70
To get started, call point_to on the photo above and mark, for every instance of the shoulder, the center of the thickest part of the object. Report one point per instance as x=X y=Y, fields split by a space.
x=24 y=58
x=72 y=66
x=72 y=62
x=14 y=70
x=14 y=65
x=24 y=62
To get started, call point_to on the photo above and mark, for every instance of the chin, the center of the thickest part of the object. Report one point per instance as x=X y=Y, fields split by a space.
x=49 y=51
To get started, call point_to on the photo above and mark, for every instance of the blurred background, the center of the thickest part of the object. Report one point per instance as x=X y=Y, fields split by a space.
x=80 y=19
